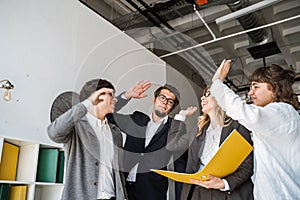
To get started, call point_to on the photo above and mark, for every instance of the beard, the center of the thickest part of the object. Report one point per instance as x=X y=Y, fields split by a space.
x=160 y=114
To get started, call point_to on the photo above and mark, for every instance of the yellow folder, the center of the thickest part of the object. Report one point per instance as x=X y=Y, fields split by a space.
x=228 y=158
x=9 y=161
x=18 y=192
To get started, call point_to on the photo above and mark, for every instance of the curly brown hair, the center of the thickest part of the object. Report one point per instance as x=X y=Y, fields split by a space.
x=280 y=81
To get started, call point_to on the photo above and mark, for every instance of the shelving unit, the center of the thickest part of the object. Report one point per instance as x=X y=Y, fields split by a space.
x=27 y=169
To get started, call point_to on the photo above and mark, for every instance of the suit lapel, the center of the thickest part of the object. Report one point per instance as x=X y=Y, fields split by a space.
x=201 y=142
x=160 y=131
x=224 y=134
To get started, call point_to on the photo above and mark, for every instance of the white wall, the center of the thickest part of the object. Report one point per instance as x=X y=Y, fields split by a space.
x=51 y=46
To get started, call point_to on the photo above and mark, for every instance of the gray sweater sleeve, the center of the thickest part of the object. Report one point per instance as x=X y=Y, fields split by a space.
x=60 y=129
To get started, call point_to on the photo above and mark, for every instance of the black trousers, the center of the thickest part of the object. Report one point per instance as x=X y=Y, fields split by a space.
x=113 y=198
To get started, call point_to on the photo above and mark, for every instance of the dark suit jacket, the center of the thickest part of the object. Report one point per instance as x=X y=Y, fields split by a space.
x=241 y=187
x=149 y=185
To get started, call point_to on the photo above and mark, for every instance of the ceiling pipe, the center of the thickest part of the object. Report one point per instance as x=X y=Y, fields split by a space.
x=231 y=35
x=155 y=23
x=244 y=11
x=200 y=17
x=166 y=10
x=249 y=21
x=177 y=40
x=155 y=14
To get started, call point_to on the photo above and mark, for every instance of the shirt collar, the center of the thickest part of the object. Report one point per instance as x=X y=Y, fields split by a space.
x=163 y=120
x=209 y=128
x=95 y=121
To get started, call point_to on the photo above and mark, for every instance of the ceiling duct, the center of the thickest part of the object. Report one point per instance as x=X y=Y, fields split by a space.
x=162 y=12
x=159 y=11
x=261 y=41
x=166 y=10
x=264 y=50
x=249 y=21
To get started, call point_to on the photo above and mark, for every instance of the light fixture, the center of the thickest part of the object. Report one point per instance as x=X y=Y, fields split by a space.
x=246 y=10
x=8 y=87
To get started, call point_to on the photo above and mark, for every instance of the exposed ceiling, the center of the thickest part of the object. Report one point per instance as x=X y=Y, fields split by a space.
x=195 y=38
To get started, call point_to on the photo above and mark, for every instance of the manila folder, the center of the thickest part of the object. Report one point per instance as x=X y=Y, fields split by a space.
x=228 y=158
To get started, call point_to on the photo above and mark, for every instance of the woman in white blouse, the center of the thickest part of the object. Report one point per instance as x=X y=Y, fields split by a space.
x=275 y=124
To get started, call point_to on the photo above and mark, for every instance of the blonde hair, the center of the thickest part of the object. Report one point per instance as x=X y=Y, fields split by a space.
x=204 y=119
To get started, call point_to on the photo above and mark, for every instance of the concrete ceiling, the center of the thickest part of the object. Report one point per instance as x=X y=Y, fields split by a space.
x=191 y=38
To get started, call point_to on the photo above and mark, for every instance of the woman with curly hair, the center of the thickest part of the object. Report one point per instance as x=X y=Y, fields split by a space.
x=275 y=124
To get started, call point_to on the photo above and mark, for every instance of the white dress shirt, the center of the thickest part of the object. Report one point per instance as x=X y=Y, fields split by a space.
x=212 y=140
x=152 y=127
x=211 y=146
x=106 y=188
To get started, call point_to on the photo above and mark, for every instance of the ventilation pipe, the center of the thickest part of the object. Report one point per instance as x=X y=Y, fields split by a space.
x=249 y=21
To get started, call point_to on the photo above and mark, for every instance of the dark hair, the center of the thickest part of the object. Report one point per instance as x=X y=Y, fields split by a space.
x=171 y=89
x=93 y=85
x=280 y=80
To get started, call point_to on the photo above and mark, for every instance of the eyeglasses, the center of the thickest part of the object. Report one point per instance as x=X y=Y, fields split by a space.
x=206 y=94
x=164 y=99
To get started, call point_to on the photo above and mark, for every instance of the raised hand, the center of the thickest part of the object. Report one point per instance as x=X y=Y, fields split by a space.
x=189 y=111
x=95 y=97
x=222 y=71
x=137 y=90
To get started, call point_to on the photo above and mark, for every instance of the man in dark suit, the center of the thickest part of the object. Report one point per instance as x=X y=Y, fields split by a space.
x=146 y=137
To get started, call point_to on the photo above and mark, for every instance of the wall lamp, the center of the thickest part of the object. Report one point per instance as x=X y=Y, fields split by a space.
x=5 y=84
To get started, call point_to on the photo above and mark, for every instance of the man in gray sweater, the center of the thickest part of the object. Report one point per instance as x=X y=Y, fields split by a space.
x=93 y=146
